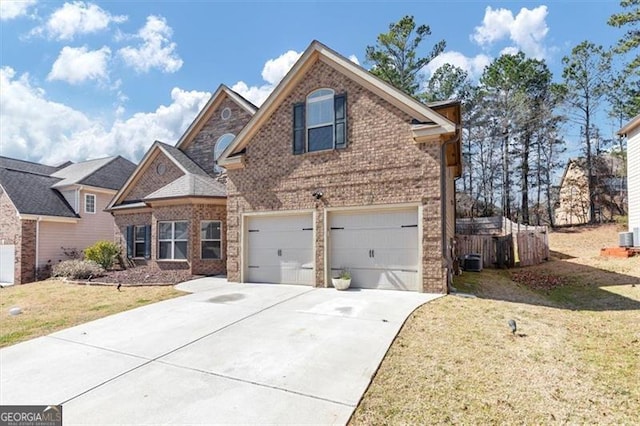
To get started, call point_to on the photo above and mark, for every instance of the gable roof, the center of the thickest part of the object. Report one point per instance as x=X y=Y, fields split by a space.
x=175 y=155
x=205 y=114
x=27 y=166
x=319 y=52
x=632 y=124
x=190 y=185
x=109 y=172
x=31 y=193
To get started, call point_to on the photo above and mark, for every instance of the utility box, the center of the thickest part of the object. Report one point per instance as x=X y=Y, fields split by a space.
x=473 y=262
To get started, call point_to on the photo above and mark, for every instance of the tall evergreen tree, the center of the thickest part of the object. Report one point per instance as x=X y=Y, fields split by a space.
x=395 y=56
x=586 y=74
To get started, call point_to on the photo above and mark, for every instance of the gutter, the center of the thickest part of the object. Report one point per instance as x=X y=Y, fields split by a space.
x=35 y=273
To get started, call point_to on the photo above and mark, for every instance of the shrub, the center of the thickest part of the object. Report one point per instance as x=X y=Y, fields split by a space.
x=77 y=269
x=104 y=253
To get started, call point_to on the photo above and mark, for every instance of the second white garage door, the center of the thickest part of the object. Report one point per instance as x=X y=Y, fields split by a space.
x=280 y=249
x=379 y=248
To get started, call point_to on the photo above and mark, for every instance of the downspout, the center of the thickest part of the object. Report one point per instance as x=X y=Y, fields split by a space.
x=35 y=273
x=443 y=205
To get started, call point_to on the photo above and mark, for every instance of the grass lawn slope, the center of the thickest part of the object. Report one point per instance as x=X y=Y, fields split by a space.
x=52 y=305
x=575 y=357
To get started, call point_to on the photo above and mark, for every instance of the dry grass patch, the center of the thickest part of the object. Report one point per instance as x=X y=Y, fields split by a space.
x=52 y=305
x=574 y=359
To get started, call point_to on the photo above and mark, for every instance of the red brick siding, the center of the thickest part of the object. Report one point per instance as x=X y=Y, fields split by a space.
x=201 y=148
x=151 y=181
x=186 y=212
x=27 y=252
x=11 y=233
x=381 y=166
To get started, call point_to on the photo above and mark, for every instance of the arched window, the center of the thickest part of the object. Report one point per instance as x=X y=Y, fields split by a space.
x=221 y=144
x=320 y=120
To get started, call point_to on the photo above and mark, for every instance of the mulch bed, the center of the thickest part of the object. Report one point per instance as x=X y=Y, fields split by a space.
x=141 y=275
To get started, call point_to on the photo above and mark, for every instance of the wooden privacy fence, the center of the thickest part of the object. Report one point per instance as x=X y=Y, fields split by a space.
x=533 y=247
x=498 y=240
x=496 y=251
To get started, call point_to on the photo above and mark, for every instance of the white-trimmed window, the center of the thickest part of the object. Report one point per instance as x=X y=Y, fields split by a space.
x=320 y=123
x=173 y=239
x=139 y=241
x=89 y=203
x=211 y=239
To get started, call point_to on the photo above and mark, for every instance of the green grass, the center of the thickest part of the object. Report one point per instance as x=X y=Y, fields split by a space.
x=52 y=305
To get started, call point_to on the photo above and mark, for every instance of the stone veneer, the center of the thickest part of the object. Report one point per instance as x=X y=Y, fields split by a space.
x=201 y=148
x=381 y=166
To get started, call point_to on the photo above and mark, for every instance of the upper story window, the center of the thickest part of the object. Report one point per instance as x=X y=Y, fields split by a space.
x=320 y=123
x=221 y=144
x=89 y=203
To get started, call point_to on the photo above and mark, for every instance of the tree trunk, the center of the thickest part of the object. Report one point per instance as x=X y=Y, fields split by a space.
x=525 y=177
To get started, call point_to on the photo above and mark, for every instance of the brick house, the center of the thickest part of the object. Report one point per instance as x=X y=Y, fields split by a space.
x=171 y=213
x=336 y=170
x=45 y=208
x=339 y=170
x=609 y=190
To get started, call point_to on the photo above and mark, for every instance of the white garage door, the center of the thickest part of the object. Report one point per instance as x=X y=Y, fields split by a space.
x=380 y=248
x=280 y=249
x=7 y=259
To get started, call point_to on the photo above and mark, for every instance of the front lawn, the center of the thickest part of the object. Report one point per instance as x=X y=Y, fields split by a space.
x=575 y=357
x=52 y=305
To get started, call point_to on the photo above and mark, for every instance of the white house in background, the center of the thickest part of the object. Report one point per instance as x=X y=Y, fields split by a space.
x=632 y=131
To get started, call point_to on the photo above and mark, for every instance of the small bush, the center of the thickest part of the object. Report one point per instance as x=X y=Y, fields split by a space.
x=77 y=269
x=104 y=253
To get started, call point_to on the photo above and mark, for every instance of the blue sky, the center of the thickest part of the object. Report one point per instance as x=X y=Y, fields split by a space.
x=81 y=79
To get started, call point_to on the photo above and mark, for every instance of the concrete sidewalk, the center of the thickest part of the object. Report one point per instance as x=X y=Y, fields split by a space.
x=228 y=353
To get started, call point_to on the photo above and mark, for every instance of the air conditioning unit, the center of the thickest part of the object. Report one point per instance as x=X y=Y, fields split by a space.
x=626 y=239
x=473 y=262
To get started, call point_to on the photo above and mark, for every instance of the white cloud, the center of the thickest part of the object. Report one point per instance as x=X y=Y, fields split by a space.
x=274 y=70
x=36 y=128
x=77 y=65
x=527 y=30
x=11 y=9
x=354 y=59
x=77 y=18
x=472 y=65
x=156 y=49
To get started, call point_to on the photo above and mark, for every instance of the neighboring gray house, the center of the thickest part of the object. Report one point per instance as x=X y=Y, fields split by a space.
x=45 y=208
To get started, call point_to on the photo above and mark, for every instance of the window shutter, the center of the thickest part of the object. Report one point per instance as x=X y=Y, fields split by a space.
x=130 y=241
x=298 y=128
x=340 y=109
x=147 y=242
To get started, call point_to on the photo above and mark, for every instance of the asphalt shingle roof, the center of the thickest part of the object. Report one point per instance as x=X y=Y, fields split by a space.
x=112 y=175
x=31 y=193
x=187 y=163
x=190 y=185
x=109 y=172
x=27 y=166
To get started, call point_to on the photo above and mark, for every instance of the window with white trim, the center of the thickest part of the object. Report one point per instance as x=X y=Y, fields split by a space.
x=320 y=123
x=139 y=241
x=211 y=239
x=173 y=239
x=89 y=203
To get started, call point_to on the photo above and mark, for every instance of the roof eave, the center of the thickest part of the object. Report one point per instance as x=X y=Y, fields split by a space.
x=632 y=124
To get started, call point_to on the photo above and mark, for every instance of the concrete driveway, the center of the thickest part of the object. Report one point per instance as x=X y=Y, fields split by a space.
x=228 y=353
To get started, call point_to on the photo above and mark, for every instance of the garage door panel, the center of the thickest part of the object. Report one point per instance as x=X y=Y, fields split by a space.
x=384 y=279
x=280 y=249
x=381 y=248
